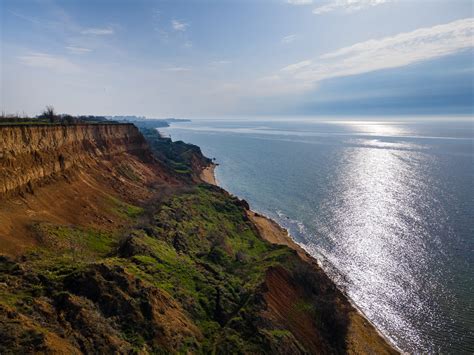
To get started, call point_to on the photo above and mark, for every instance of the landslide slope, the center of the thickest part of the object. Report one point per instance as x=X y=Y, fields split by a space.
x=180 y=269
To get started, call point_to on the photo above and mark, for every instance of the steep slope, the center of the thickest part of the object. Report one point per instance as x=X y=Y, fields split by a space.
x=184 y=267
x=31 y=154
x=83 y=175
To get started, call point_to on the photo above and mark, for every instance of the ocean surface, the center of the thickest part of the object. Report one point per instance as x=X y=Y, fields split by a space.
x=386 y=206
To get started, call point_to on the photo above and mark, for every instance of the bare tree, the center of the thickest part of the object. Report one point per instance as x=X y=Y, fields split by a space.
x=49 y=113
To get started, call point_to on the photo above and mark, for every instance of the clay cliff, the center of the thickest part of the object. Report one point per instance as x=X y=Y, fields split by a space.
x=72 y=174
x=31 y=154
x=110 y=243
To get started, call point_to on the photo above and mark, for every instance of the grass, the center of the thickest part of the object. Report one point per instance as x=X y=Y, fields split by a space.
x=220 y=251
x=199 y=248
x=123 y=209
x=75 y=241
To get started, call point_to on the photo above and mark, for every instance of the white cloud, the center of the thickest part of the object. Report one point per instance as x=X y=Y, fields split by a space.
x=48 y=61
x=385 y=53
x=347 y=5
x=300 y=2
x=288 y=39
x=98 y=31
x=179 y=26
x=78 y=50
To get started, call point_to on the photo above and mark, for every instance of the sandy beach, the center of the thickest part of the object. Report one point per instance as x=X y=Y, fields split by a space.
x=207 y=175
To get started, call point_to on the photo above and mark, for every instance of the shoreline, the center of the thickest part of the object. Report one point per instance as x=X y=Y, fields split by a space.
x=274 y=233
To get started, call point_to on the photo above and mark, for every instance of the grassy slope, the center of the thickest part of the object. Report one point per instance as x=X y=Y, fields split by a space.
x=198 y=249
x=183 y=159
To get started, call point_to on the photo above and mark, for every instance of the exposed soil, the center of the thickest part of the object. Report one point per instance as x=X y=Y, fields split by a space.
x=207 y=175
x=83 y=194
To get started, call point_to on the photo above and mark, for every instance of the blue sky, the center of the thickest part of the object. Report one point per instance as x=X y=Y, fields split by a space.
x=227 y=58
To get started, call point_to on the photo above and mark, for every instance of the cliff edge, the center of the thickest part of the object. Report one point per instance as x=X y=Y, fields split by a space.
x=30 y=154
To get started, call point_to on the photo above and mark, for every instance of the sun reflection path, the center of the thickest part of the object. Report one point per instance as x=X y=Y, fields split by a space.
x=377 y=232
x=376 y=128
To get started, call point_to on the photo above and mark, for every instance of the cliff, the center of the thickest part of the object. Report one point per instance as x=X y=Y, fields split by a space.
x=31 y=154
x=183 y=159
x=116 y=246
x=83 y=175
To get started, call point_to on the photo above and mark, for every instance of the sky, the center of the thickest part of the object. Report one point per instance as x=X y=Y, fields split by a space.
x=224 y=58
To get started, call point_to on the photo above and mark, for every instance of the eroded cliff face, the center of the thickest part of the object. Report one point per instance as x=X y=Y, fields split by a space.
x=73 y=175
x=31 y=154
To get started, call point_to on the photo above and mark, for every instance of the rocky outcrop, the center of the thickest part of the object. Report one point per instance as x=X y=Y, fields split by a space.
x=32 y=154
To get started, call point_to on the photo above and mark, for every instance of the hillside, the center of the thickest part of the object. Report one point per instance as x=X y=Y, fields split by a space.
x=111 y=243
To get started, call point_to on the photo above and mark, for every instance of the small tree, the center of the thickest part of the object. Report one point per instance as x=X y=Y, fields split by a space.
x=49 y=114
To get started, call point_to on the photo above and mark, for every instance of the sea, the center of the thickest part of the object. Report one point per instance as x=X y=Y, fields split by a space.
x=385 y=204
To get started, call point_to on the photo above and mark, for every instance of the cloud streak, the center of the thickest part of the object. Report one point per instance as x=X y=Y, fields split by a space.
x=300 y=2
x=98 y=31
x=347 y=5
x=390 y=52
x=221 y=62
x=179 y=26
x=78 y=50
x=288 y=39
x=178 y=69
x=48 y=61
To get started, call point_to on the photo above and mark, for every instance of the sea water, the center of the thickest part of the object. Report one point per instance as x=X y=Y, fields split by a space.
x=386 y=205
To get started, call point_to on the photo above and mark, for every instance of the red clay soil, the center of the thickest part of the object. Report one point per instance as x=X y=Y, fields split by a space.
x=59 y=175
x=282 y=298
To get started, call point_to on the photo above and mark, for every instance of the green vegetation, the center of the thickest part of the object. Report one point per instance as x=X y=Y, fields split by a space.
x=180 y=158
x=49 y=116
x=200 y=249
x=203 y=251
x=68 y=239
x=124 y=210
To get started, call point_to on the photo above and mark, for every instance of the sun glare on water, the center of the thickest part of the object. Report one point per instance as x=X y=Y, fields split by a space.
x=376 y=214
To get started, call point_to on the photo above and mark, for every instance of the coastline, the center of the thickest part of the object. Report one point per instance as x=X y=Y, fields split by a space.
x=360 y=326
